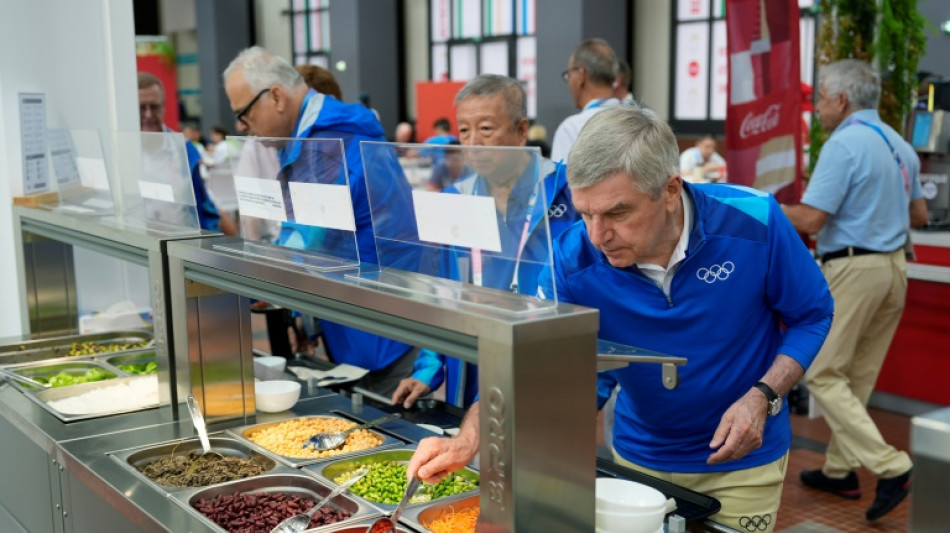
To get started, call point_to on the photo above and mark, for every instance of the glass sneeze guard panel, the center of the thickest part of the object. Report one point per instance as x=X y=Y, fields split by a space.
x=294 y=201
x=79 y=167
x=153 y=175
x=460 y=223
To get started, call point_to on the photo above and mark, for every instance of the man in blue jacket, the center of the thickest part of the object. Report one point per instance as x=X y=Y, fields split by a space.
x=714 y=273
x=270 y=99
x=492 y=111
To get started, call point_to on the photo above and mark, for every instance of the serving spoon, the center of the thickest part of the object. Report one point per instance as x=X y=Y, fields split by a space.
x=388 y=524
x=329 y=440
x=301 y=521
x=199 y=421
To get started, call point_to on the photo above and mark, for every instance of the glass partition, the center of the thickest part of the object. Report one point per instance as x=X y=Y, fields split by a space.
x=80 y=170
x=475 y=228
x=294 y=202
x=153 y=177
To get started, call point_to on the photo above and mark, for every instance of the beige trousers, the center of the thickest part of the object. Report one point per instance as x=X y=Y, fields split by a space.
x=869 y=293
x=750 y=498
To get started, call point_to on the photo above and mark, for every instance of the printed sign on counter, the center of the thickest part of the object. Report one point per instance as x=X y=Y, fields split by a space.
x=457 y=219
x=64 y=158
x=33 y=143
x=157 y=191
x=93 y=172
x=260 y=198
x=323 y=205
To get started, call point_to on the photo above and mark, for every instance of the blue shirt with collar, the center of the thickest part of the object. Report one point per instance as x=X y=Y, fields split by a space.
x=858 y=182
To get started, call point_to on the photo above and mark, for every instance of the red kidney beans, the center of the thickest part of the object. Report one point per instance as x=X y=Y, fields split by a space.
x=260 y=512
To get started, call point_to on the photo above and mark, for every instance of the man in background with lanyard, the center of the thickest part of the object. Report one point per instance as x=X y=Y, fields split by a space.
x=492 y=111
x=590 y=76
x=861 y=200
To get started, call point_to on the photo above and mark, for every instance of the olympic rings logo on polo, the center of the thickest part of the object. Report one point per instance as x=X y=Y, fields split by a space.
x=557 y=210
x=716 y=272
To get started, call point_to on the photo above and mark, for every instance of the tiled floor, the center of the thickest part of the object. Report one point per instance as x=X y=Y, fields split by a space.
x=807 y=510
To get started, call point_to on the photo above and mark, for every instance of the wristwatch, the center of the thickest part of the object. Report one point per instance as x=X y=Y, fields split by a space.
x=775 y=401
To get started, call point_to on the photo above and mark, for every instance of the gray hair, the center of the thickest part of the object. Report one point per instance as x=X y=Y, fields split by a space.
x=598 y=59
x=516 y=103
x=627 y=139
x=855 y=79
x=263 y=69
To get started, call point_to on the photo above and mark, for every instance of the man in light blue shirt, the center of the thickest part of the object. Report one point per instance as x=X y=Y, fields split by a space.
x=861 y=200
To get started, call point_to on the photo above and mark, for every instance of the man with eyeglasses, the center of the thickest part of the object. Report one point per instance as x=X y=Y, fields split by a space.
x=269 y=98
x=152 y=118
x=590 y=76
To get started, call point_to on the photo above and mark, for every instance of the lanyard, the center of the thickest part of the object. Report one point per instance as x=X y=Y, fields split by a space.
x=897 y=157
x=477 y=253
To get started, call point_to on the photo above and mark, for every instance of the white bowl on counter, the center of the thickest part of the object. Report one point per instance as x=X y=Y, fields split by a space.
x=276 y=396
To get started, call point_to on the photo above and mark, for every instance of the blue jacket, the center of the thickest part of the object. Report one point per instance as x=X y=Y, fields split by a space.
x=462 y=378
x=747 y=290
x=324 y=117
x=208 y=217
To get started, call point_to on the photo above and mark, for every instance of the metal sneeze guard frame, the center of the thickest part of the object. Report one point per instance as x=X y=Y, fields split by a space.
x=537 y=373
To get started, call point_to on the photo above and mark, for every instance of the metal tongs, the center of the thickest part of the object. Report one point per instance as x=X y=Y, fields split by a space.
x=613 y=355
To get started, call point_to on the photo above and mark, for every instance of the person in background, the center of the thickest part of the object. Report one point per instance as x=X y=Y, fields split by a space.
x=220 y=149
x=701 y=163
x=590 y=76
x=538 y=136
x=442 y=135
x=662 y=259
x=492 y=111
x=270 y=99
x=405 y=133
x=622 y=85
x=193 y=134
x=152 y=119
x=861 y=200
x=320 y=80
x=449 y=170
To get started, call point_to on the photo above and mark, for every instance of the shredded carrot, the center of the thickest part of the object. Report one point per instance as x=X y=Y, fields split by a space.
x=452 y=521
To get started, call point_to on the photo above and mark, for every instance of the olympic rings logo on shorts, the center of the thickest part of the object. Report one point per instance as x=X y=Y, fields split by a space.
x=557 y=210
x=755 y=522
x=716 y=272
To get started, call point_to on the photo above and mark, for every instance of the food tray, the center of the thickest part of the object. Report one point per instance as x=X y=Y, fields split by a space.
x=288 y=483
x=48 y=369
x=127 y=358
x=136 y=457
x=54 y=347
x=355 y=527
x=46 y=395
x=244 y=432
x=691 y=505
x=400 y=455
x=423 y=514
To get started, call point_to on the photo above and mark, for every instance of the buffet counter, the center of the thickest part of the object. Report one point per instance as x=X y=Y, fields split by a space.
x=88 y=489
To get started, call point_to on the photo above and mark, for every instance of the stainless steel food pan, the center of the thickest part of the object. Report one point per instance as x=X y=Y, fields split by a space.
x=426 y=513
x=47 y=395
x=401 y=455
x=294 y=484
x=136 y=458
x=244 y=433
x=24 y=351
x=49 y=369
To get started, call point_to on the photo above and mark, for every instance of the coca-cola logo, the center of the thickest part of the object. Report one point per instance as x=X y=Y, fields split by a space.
x=754 y=124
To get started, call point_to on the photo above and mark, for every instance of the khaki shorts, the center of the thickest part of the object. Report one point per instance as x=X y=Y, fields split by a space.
x=750 y=498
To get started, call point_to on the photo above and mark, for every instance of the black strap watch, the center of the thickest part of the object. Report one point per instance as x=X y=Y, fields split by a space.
x=775 y=401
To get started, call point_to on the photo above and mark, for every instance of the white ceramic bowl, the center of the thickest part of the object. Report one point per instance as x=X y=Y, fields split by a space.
x=625 y=496
x=645 y=522
x=276 y=396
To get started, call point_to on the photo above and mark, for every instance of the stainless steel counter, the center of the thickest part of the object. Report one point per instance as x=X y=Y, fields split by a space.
x=95 y=491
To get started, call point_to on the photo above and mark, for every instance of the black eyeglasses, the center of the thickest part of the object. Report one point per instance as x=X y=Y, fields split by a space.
x=566 y=75
x=239 y=114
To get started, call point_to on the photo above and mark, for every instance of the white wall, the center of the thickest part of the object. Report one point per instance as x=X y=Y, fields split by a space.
x=651 y=54
x=273 y=27
x=81 y=55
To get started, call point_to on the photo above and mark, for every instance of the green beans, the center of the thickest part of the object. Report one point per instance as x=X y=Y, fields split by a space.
x=386 y=482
